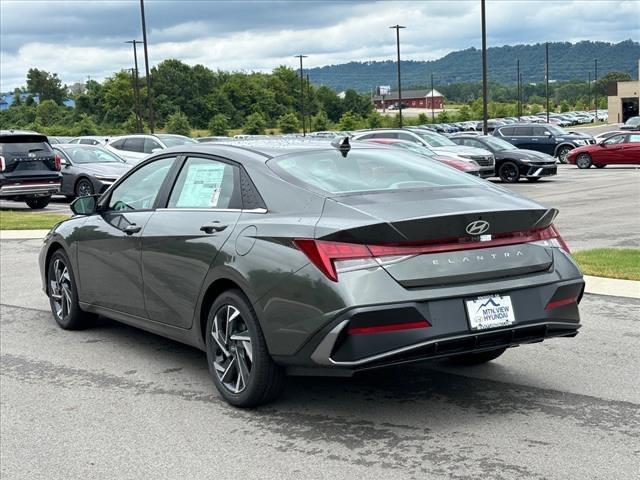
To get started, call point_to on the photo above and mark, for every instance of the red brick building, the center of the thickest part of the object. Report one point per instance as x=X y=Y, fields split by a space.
x=412 y=99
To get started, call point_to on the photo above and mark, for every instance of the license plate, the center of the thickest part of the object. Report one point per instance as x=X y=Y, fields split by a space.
x=492 y=311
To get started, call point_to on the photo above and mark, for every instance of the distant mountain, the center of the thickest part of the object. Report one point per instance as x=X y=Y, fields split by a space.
x=567 y=61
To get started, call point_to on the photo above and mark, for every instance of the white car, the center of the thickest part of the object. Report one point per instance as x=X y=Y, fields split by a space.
x=135 y=148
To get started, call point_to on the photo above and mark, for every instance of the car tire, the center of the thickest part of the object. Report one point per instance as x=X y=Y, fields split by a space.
x=84 y=188
x=63 y=294
x=533 y=179
x=583 y=161
x=562 y=153
x=236 y=349
x=469 y=359
x=38 y=202
x=599 y=165
x=509 y=172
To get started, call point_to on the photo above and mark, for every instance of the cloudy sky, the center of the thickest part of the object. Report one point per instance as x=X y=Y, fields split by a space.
x=85 y=37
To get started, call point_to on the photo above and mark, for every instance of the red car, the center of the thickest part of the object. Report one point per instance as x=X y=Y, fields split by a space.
x=462 y=164
x=620 y=149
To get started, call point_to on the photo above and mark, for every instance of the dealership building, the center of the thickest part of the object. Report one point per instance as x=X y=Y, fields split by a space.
x=427 y=99
x=624 y=100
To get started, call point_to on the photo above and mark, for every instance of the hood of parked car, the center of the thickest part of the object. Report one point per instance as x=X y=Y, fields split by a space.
x=524 y=154
x=463 y=151
x=111 y=170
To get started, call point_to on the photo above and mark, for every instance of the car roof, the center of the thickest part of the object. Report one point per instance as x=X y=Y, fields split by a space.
x=19 y=132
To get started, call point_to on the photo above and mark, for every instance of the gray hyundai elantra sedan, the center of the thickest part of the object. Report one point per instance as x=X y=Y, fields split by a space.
x=313 y=260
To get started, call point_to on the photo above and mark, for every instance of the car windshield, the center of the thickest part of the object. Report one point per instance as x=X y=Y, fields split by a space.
x=434 y=139
x=556 y=130
x=633 y=121
x=366 y=170
x=175 y=141
x=87 y=154
x=499 y=144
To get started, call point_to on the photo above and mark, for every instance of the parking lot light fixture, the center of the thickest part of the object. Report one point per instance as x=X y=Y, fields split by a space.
x=433 y=115
x=397 y=29
x=546 y=75
x=304 y=131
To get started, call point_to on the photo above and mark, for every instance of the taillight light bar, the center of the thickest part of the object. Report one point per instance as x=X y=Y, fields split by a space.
x=324 y=254
x=2 y=164
x=561 y=303
x=390 y=327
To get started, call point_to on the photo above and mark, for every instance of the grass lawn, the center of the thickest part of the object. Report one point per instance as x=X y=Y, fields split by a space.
x=19 y=220
x=621 y=263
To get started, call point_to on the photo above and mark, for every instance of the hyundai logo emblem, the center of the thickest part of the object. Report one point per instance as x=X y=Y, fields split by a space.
x=477 y=228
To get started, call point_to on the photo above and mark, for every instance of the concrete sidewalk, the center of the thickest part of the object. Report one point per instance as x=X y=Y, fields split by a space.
x=595 y=285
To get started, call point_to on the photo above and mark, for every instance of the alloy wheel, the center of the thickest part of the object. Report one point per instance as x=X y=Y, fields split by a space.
x=509 y=172
x=84 y=189
x=60 y=289
x=583 y=161
x=233 y=353
x=562 y=154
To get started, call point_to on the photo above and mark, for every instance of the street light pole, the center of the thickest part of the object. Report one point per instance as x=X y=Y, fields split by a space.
x=546 y=75
x=518 y=88
x=397 y=29
x=304 y=131
x=136 y=85
x=485 y=110
x=595 y=87
x=152 y=123
x=433 y=115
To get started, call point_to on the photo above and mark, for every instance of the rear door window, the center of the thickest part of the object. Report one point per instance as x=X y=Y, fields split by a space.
x=150 y=144
x=206 y=183
x=118 y=144
x=507 y=131
x=522 y=131
x=134 y=145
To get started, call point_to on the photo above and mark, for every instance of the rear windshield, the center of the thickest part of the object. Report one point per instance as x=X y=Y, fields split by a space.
x=21 y=144
x=366 y=170
x=176 y=141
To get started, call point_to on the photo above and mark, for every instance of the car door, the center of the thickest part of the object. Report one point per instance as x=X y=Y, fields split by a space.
x=611 y=151
x=544 y=139
x=181 y=241
x=109 y=243
x=68 y=171
x=631 y=149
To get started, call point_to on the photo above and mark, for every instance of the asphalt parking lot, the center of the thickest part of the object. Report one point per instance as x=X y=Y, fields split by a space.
x=116 y=402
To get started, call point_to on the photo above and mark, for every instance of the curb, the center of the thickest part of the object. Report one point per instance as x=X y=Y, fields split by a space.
x=612 y=287
x=22 y=234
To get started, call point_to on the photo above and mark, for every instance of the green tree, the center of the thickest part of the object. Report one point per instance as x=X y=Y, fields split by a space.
x=374 y=120
x=564 y=106
x=219 y=125
x=350 y=121
x=443 y=117
x=47 y=113
x=320 y=121
x=422 y=118
x=255 y=124
x=17 y=98
x=464 y=114
x=606 y=81
x=46 y=85
x=86 y=126
x=289 y=123
x=178 y=124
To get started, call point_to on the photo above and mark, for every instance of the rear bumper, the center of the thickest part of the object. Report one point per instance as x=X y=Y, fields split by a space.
x=334 y=351
x=31 y=188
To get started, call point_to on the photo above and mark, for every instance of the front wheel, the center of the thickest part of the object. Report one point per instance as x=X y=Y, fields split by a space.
x=562 y=153
x=38 y=202
x=509 y=172
x=84 y=188
x=242 y=369
x=583 y=160
x=63 y=294
x=469 y=359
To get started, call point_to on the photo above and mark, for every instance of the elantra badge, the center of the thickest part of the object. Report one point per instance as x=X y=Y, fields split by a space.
x=477 y=228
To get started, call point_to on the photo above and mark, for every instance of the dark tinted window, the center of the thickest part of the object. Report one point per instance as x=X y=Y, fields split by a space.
x=539 y=131
x=366 y=170
x=522 y=131
x=507 y=131
x=23 y=144
x=134 y=145
x=150 y=144
x=119 y=144
x=88 y=141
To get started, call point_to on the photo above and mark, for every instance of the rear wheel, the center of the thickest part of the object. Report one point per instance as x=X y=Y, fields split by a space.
x=242 y=369
x=509 y=172
x=562 y=153
x=469 y=359
x=38 y=202
x=63 y=294
x=583 y=160
x=84 y=188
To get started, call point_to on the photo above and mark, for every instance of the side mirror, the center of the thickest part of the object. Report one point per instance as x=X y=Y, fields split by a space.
x=84 y=205
x=547 y=133
x=156 y=150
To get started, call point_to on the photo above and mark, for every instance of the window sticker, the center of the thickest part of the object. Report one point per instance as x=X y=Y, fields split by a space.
x=201 y=188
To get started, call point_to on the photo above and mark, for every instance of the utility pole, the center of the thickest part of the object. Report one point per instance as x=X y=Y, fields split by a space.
x=397 y=29
x=485 y=110
x=546 y=75
x=433 y=115
x=152 y=123
x=595 y=87
x=518 y=106
x=136 y=85
x=521 y=95
x=304 y=131
x=589 y=92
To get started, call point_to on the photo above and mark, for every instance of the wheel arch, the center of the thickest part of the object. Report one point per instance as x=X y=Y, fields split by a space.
x=54 y=246
x=562 y=145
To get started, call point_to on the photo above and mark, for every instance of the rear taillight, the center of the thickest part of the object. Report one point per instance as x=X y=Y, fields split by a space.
x=388 y=327
x=2 y=164
x=58 y=162
x=332 y=258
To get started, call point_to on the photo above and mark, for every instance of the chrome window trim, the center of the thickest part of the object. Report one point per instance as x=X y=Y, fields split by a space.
x=241 y=210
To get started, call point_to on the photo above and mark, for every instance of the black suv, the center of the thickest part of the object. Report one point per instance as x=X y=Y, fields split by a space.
x=29 y=168
x=547 y=139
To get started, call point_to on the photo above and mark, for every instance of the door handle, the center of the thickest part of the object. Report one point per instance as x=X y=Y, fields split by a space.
x=131 y=229
x=213 y=227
